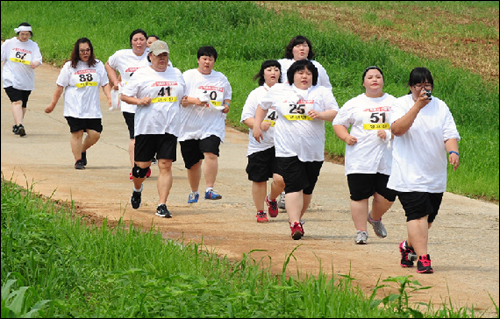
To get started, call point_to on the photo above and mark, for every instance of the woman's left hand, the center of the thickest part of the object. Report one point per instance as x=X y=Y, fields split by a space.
x=454 y=160
x=315 y=114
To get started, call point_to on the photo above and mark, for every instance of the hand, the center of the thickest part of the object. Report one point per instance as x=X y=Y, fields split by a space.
x=422 y=100
x=265 y=126
x=454 y=160
x=226 y=109
x=381 y=134
x=314 y=114
x=34 y=64
x=350 y=140
x=257 y=134
x=145 y=101
x=50 y=108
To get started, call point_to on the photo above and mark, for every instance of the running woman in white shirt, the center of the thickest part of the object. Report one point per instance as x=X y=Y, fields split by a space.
x=127 y=62
x=203 y=119
x=261 y=156
x=21 y=56
x=368 y=155
x=425 y=135
x=80 y=78
x=299 y=135
x=157 y=91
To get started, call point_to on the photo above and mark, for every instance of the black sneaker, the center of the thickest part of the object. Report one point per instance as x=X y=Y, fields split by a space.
x=21 y=131
x=162 y=211
x=79 y=164
x=15 y=129
x=408 y=255
x=135 y=200
x=84 y=158
x=424 y=265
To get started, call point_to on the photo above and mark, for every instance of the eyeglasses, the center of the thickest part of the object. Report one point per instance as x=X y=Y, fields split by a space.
x=85 y=51
x=427 y=86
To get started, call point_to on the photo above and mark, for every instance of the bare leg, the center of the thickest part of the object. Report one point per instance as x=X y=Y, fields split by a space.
x=210 y=169
x=359 y=213
x=18 y=112
x=380 y=206
x=91 y=138
x=277 y=186
x=259 y=192
x=418 y=231
x=131 y=146
x=194 y=176
x=294 y=203
x=76 y=144
x=305 y=205
x=165 y=179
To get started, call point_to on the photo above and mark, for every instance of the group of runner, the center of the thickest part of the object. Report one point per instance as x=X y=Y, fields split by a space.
x=396 y=147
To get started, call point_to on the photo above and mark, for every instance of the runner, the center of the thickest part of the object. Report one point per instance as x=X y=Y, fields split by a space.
x=261 y=156
x=299 y=137
x=157 y=91
x=203 y=119
x=368 y=155
x=21 y=56
x=80 y=78
x=425 y=131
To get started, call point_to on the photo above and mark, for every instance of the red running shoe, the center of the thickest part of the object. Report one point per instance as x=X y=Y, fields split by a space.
x=149 y=173
x=297 y=230
x=424 y=265
x=261 y=217
x=272 y=207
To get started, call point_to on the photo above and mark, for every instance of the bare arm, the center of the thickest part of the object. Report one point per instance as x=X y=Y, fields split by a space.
x=403 y=124
x=260 y=114
x=452 y=146
x=113 y=78
x=136 y=101
x=57 y=94
x=343 y=134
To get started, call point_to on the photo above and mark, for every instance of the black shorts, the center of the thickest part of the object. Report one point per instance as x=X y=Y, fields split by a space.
x=77 y=124
x=192 y=150
x=262 y=165
x=298 y=175
x=129 y=120
x=163 y=145
x=362 y=186
x=418 y=205
x=18 y=95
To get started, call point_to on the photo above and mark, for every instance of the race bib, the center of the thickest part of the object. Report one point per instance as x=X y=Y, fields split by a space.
x=271 y=117
x=20 y=56
x=376 y=118
x=212 y=94
x=163 y=92
x=84 y=78
x=297 y=111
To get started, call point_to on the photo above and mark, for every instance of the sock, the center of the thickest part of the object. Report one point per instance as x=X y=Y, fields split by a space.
x=138 y=190
x=209 y=189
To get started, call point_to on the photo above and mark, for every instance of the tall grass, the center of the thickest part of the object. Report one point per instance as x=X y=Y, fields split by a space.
x=56 y=265
x=245 y=35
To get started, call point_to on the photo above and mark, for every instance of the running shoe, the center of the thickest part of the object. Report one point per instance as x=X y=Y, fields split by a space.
x=84 y=158
x=212 y=194
x=135 y=200
x=408 y=255
x=297 y=231
x=424 y=265
x=193 y=197
x=79 y=164
x=361 y=237
x=154 y=161
x=131 y=177
x=261 y=217
x=162 y=211
x=272 y=207
x=149 y=173
x=21 y=131
x=15 y=129
x=378 y=227
x=281 y=201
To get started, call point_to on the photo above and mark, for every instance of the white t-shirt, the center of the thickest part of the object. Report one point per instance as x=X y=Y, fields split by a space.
x=18 y=56
x=166 y=90
x=370 y=154
x=201 y=122
x=127 y=63
x=81 y=89
x=419 y=156
x=248 y=111
x=323 y=79
x=297 y=134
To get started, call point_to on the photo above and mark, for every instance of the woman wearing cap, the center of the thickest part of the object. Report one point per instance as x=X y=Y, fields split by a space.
x=262 y=156
x=80 y=78
x=157 y=91
x=21 y=56
x=126 y=62
x=299 y=135
x=425 y=135
x=368 y=155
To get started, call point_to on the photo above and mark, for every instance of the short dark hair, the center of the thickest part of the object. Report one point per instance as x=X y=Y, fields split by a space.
x=420 y=75
x=299 y=66
x=75 y=55
x=264 y=66
x=138 y=31
x=25 y=24
x=208 y=51
x=154 y=36
x=298 y=40
x=371 y=68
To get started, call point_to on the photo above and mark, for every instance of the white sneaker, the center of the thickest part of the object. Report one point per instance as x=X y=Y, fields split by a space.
x=361 y=237
x=281 y=201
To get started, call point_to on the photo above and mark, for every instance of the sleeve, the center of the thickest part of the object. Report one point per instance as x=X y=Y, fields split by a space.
x=344 y=116
x=249 y=107
x=329 y=101
x=4 y=50
x=323 y=78
x=449 y=127
x=64 y=76
x=113 y=60
x=228 y=91
x=37 y=56
x=397 y=110
x=267 y=101
x=103 y=76
x=132 y=87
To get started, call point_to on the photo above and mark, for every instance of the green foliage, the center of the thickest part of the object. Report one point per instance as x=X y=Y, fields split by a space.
x=245 y=35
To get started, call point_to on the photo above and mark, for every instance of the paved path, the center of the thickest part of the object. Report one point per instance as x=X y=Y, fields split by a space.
x=463 y=243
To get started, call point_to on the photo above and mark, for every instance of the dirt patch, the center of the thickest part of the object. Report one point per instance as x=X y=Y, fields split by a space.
x=463 y=243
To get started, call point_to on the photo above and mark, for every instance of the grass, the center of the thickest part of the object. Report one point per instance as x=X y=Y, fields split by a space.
x=245 y=34
x=55 y=265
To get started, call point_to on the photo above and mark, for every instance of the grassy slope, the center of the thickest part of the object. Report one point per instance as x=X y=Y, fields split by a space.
x=245 y=35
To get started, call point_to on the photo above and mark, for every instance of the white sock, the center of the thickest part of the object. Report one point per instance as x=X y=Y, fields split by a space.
x=138 y=190
x=209 y=189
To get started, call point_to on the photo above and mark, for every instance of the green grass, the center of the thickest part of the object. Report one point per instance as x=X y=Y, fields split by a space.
x=54 y=265
x=245 y=35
